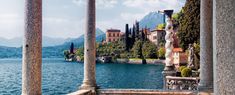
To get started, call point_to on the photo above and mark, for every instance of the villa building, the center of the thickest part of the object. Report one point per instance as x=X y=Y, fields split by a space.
x=156 y=36
x=179 y=57
x=113 y=35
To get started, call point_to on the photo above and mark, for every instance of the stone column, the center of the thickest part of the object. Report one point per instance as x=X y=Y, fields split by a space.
x=32 y=48
x=206 y=50
x=169 y=41
x=89 y=81
x=169 y=67
x=224 y=46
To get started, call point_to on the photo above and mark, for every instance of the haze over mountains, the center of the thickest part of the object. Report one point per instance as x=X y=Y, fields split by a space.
x=54 y=47
x=17 y=42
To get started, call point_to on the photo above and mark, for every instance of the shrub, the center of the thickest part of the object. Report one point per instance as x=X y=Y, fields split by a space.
x=161 y=53
x=181 y=68
x=186 y=72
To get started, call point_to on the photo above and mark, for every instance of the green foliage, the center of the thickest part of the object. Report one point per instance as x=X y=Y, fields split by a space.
x=196 y=48
x=186 y=72
x=66 y=54
x=71 y=48
x=181 y=68
x=149 y=50
x=161 y=26
x=161 y=53
x=127 y=38
x=176 y=16
x=80 y=51
x=197 y=55
x=111 y=49
x=189 y=23
x=137 y=49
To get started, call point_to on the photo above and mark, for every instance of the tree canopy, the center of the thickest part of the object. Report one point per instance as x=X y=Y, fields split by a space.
x=189 y=23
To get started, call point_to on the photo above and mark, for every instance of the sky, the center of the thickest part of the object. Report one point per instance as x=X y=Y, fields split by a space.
x=66 y=18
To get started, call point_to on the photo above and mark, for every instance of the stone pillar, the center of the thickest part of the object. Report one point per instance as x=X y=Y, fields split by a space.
x=89 y=81
x=206 y=50
x=169 y=41
x=32 y=48
x=224 y=46
x=169 y=67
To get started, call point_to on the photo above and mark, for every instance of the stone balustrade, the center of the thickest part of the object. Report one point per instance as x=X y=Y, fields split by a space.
x=181 y=83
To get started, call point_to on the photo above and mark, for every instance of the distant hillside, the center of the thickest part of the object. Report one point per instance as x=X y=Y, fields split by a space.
x=15 y=42
x=49 y=51
x=152 y=20
x=80 y=40
x=10 y=52
x=46 y=41
x=16 y=52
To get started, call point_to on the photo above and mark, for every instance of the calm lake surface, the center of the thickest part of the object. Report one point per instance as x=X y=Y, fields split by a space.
x=61 y=77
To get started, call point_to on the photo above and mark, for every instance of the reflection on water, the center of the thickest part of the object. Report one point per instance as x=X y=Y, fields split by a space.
x=61 y=77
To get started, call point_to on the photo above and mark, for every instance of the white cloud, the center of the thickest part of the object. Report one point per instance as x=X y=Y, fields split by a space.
x=79 y=2
x=62 y=27
x=55 y=20
x=154 y=5
x=66 y=18
x=101 y=4
x=11 y=25
x=106 y=3
x=132 y=16
x=108 y=24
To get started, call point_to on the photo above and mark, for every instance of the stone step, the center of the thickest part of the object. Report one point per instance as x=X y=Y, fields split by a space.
x=142 y=92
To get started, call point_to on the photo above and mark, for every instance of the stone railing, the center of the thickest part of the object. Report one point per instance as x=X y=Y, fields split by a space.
x=82 y=92
x=181 y=83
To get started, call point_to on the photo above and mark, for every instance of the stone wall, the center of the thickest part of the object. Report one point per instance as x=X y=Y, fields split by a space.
x=140 y=61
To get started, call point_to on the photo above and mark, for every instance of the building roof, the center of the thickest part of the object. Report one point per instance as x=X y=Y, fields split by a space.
x=177 y=50
x=157 y=30
x=122 y=33
x=113 y=30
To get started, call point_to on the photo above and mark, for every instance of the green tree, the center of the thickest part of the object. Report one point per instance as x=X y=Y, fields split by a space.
x=161 y=52
x=127 y=39
x=186 y=72
x=80 y=51
x=137 y=49
x=66 y=54
x=161 y=26
x=189 y=24
x=176 y=16
x=72 y=48
x=149 y=50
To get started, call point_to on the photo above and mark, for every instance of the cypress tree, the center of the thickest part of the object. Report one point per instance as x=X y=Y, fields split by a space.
x=143 y=35
x=127 y=38
x=137 y=29
x=133 y=34
x=72 y=48
x=189 y=23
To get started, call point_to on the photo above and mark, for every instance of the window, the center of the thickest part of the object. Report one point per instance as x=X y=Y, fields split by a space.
x=154 y=37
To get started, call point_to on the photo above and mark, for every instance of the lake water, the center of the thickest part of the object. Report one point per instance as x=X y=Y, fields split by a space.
x=61 y=77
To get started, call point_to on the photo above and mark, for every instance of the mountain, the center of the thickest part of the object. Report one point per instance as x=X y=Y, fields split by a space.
x=46 y=41
x=152 y=20
x=15 y=42
x=47 y=52
x=10 y=52
x=100 y=35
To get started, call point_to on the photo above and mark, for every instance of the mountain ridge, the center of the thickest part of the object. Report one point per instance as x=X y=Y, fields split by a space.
x=18 y=41
x=151 y=20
